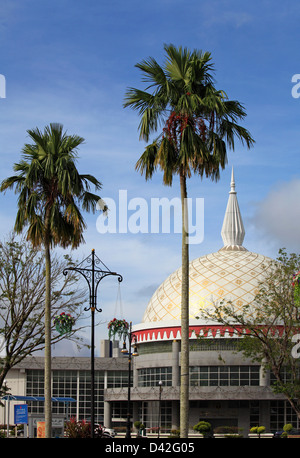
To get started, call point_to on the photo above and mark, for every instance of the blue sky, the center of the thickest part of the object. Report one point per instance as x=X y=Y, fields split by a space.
x=72 y=61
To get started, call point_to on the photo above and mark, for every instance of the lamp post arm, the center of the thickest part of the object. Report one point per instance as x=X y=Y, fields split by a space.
x=93 y=277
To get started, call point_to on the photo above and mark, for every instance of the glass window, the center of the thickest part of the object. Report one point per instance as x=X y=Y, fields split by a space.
x=64 y=384
x=75 y=384
x=224 y=376
x=149 y=415
x=281 y=414
x=150 y=376
x=118 y=379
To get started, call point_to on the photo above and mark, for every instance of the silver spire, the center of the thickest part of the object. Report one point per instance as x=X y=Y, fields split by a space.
x=233 y=231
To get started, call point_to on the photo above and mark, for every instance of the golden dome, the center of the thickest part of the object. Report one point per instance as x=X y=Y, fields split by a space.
x=232 y=274
x=227 y=274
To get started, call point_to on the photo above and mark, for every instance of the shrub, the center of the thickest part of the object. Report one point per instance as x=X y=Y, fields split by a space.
x=203 y=427
x=139 y=426
x=228 y=430
x=78 y=429
x=258 y=430
x=288 y=428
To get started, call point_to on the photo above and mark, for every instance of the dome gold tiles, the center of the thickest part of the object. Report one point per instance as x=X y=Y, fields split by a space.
x=231 y=274
x=224 y=275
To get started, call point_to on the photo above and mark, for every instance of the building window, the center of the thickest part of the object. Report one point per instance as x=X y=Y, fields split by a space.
x=118 y=379
x=224 y=376
x=150 y=376
x=281 y=414
x=84 y=395
x=35 y=387
x=149 y=415
x=75 y=384
x=254 y=413
x=119 y=411
x=155 y=347
x=285 y=375
x=64 y=384
x=206 y=344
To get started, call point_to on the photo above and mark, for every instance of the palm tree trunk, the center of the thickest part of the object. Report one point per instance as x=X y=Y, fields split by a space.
x=47 y=387
x=184 y=386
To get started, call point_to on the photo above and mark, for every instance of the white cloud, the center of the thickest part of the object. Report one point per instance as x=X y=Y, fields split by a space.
x=227 y=15
x=278 y=215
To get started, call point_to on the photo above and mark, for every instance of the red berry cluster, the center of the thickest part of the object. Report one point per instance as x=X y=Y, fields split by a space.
x=177 y=123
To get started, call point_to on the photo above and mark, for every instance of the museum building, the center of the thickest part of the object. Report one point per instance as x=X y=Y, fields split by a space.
x=225 y=389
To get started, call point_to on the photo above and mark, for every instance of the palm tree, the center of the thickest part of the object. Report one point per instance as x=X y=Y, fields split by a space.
x=50 y=194
x=199 y=124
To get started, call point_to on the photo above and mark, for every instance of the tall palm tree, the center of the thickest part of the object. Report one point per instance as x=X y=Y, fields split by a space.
x=198 y=124
x=51 y=191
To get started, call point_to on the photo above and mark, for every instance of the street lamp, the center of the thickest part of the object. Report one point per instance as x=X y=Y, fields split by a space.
x=93 y=275
x=130 y=354
x=160 y=384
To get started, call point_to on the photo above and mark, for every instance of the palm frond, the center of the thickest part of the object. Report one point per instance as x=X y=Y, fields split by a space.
x=146 y=164
x=199 y=121
x=10 y=182
x=87 y=179
x=167 y=160
x=51 y=189
x=89 y=201
x=152 y=73
x=230 y=130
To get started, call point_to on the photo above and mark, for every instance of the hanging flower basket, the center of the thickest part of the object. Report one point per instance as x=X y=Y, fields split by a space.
x=64 y=323
x=296 y=285
x=118 y=328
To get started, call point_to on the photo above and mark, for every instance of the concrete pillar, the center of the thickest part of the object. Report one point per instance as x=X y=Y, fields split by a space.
x=116 y=351
x=175 y=415
x=175 y=363
x=264 y=375
x=107 y=414
x=134 y=373
x=105 y=348
x=244 y=420
x=264 y=414
x=135 y=412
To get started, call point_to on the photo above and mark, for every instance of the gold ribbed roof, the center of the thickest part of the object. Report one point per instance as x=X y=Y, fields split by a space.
x=231 y=275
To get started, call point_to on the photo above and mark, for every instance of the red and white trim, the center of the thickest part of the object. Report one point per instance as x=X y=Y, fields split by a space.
x=149 y=332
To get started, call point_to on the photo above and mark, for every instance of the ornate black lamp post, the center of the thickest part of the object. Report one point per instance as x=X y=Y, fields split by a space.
x=131 y=339
x=93 y=274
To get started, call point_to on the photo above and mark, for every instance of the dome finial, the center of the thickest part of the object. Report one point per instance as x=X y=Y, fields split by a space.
x=232 y=184
x=233 y=231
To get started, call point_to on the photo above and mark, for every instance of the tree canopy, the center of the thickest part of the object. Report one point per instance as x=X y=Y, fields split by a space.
x=269 y=327
x=22 y=297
